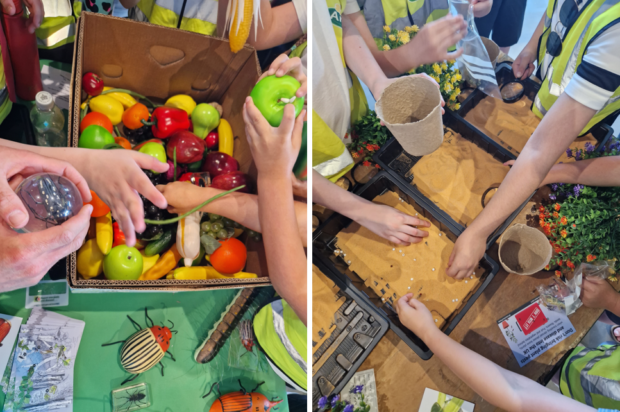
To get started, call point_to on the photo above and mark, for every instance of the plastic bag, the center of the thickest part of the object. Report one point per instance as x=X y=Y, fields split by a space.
x=474 y=63
x=559 y=297
x=600 y=269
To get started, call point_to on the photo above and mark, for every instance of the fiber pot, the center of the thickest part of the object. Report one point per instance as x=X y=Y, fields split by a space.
x=492 y=49
x=524 y=250
x=411 y=108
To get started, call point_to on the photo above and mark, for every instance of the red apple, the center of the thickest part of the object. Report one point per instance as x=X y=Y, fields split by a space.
x=230 y=181
x=189 y=147
x=218 y=163
x=212 y=140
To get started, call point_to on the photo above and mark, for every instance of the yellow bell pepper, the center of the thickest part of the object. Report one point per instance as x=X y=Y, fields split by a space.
x=108 y=106
x=148 y=261
x=206 y=272
x=183 y=102
x=105 y=233
x=226 y=137
x=90 y=260
x=125 y=99
x=165 y=264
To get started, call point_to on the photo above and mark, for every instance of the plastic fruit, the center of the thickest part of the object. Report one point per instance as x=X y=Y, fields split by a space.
x=123 y=263
x=204 y=119
x=90 y=260
x=133 y=117
x=99 y=208
x=267 y=96
x=148 y=261
x=156 y=150
x=120 y=140
x=230 y=257
x=92 y=84
x=218 y=163
x=212 y=140
x=95 y=137
x=97 y=119
x=188 y=146
x=230 y=181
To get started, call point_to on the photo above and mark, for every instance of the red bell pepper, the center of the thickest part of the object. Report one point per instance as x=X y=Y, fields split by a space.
x=167 y=120
x=119 y=236
x=92 y=84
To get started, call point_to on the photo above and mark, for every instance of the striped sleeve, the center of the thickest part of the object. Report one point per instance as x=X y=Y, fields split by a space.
x=598 y=75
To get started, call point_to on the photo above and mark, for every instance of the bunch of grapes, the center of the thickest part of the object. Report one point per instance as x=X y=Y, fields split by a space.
x=219 y=227
x=152 y=212
x=140 y=135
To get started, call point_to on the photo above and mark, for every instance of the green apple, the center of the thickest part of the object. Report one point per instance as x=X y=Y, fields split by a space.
x=95 y=137
x=204 y=119
x=123 y=263
x=156 y=150
x=268 y=94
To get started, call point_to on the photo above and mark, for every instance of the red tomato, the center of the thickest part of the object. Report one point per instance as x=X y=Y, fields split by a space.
x=96 y=119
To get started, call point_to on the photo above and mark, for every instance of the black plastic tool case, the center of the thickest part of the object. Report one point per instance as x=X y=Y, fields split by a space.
x=393 y=158
x=363 y=325
x=601 y=132
x=325 y=239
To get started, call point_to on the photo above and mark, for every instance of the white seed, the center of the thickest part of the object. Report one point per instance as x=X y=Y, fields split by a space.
x=435 y=320
x=393 y=248
x=433 y=269
x=457 y=300
x=465 y=281
x=414 y=259
x=440 y=234
x=348 y=262
x=411 y=278
x=474 y=273
x=400 y=251
x=383 y=299
x=403 y=254
x=408 y=287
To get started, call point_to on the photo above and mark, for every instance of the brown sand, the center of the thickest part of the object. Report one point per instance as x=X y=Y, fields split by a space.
x=456 y=176
x=326 y=303
x=512 y=124
x=393 y=271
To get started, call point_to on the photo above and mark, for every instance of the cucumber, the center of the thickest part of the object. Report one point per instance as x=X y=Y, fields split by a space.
x=158 y=246
x=113 y=146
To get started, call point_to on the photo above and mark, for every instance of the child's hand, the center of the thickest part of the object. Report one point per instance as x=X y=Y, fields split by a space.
x=415 y=316
x=182 y=196
x=274 y=149
x=523 y=66
x=599 y=294
x=284 y=65
x=482 y=7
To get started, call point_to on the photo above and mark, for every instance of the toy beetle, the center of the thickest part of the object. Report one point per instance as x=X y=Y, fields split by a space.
x=145 y=348
x=242 y=401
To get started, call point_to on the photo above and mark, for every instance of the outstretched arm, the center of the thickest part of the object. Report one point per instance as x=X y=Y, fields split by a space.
x=602 y=171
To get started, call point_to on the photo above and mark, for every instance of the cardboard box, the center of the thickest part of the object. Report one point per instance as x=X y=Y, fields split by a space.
x=159 y=62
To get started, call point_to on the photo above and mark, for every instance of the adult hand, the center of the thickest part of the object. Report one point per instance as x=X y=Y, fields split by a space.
x=35 y=7
x=468 y=250
x=597 y=293
x=523 y=66
x=415 y=316
x=117 y=178
x=274 y=149
x=432 y=42
x=391 y=224
x=18 y=164
x=383 y=83
x=284 y=65
x=482 y=7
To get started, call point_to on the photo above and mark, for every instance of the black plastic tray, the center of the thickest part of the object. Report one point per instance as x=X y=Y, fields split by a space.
x=503 y=71
x=393 y=158
x=335 y=373
x=324 y=242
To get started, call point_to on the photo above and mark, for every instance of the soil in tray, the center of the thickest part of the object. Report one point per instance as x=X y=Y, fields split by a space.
x=326 y=302
x=392 y=271
x=512 y=124
x=456 y=176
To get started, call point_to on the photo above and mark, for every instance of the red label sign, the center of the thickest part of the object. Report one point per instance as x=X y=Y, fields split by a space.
x=531 y=318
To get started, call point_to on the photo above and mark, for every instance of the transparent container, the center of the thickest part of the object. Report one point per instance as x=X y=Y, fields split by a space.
x=131 y=398
x=48 y=121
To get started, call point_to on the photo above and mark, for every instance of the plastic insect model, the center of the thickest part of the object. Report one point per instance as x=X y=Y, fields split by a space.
x=246 y=334
x=241 y=401
x=145 y=348
x=55 y=198
x=133 y=399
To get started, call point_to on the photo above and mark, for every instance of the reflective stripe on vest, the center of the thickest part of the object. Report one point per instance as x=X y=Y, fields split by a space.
x=393 y=13
x=590 y=24
x=283 y=338
x=199 y=16
x=330 y=157
x=591 y=377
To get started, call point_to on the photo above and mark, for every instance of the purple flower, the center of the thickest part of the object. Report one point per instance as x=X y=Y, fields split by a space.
x=348 y=408
x=323 y=402
x=589 y=147
x=335 y=400
x=357 y=389
x=578 y=155
x=554 y=187
x=552 y=197
x=569 y=153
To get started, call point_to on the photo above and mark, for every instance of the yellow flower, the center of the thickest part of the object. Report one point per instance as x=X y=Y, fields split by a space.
x=408 y=29
x=457 y=91
x=387 y=29
x=436 y=78
x=458 y=77
x=457 y=106
x=451 y=62
x=453 y=80
x=444 y=66
x=415 y=28
x=392 y=37
x=453 y=96
x=447 y=87
x=386 y=47
x=436 y=68
x=404 y=37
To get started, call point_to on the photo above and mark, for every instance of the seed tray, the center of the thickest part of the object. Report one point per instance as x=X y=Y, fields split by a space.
x=398 y=163
x=360 y=326
x=601 y=132
x=324 y=244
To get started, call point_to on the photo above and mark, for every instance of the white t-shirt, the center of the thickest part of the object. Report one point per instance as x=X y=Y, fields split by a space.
x=330 y=79
x=301 y=7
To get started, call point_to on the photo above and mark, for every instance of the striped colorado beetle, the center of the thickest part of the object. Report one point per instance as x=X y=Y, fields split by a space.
x=145 y=348
x=241 y=401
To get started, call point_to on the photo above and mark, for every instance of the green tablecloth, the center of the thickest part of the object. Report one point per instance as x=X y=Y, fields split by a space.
x=98 y=369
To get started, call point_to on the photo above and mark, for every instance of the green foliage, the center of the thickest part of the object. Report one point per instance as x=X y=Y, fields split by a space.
x=368 y=137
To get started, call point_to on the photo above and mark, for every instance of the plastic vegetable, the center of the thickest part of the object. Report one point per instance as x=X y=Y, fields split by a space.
x=230 y=257
x=124 y=143
x=207 y=272
x=165 y=264
x=94 y=118
x=167 y=120
x=156 y=150
x=183 y=102
x=99 y=208
x=239 y=20
x=123 y=98
x=110 y=107
x=189 y=148
x=205 y=118
x=226 y=139
x=133 y=116
x=105 y=233
x=272 y=93
x=212 y=139
x=90 y=260
x=95 y=137
x=148 y=261
x=139 y=146
x=158 y=246
x=230 y=181
x=119 y=236
x=92 y=84
x=188 y=237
